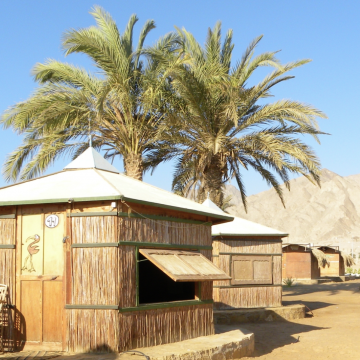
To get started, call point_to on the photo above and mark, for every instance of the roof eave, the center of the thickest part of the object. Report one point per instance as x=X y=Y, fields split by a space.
x=53 y=201
x=250 y=234
x=221 y=218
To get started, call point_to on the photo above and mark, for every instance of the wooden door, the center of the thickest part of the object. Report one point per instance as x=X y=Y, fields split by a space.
x=39 y=295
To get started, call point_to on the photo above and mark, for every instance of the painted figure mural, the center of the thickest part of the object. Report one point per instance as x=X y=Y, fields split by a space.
x=32 y=249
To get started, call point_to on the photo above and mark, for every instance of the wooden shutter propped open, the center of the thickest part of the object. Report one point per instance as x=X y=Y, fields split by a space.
x=184 y=265
x=249 y=269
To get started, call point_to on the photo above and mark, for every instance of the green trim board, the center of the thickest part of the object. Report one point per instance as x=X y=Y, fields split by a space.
x=138 y=216
x=166 y=305
x=7 y=246
x=165 y=246
x=94 y=245
x=106 y=213
x=95 y=307
x=142 y=244
x=249 y=235
x=164 y=218
x=8 y=216
x=242 y=286
x=249 y=254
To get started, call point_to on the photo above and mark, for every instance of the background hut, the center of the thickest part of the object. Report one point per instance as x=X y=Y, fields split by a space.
x=95 y=260
x=250 y=254
x=299 y=262
x=336 y=265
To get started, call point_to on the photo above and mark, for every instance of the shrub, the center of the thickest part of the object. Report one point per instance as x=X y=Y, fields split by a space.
x=288 y=282
x=349 y=270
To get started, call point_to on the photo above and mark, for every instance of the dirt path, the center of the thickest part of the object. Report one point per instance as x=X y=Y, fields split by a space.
x=333 y=332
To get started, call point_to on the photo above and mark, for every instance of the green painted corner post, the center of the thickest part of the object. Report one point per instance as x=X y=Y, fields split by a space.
x=137 y=275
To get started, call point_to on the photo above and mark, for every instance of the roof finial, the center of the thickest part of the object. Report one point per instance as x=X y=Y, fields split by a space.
x=90 y=137
x=208 y=196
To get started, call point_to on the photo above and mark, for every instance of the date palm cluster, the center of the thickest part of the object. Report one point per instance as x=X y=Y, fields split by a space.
x=174 y=100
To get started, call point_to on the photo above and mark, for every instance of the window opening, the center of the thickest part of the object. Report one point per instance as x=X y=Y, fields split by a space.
x=155 y=286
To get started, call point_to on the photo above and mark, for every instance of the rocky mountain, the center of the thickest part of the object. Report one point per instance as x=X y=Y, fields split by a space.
x=329 y=215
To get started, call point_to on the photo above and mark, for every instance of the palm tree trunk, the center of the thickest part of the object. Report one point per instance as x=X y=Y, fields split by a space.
x=134 y=166
x=212 y=182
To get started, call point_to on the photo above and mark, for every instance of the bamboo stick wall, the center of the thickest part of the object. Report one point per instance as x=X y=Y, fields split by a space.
x=106 y=276
x=166 y=232
x=247 y=296
x=7 y=276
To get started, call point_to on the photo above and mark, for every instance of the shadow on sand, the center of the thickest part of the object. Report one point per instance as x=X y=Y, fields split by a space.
x=103 y=352
x=310 y=305
x=332 y=288
x=270 y=335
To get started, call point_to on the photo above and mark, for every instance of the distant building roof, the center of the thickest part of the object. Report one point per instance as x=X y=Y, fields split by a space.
x=240 y=227
x=91 y=177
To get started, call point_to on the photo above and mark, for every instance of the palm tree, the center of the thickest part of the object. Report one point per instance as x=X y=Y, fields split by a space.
x=219 y=125
x=122 y=105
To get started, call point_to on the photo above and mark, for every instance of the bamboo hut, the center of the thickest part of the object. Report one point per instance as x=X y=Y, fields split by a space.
x=250 y=254
x=336 y=264
x=95 y=260
x=300 y=263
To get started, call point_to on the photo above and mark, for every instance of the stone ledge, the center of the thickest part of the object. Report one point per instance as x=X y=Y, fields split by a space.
x=281 y=313
x=229 y=345
x=311 y=281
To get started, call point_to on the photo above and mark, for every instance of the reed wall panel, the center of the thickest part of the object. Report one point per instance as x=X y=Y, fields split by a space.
x=163 y=326
x=277 y=269
x=206 y=290
x=93 y=330
x=248 y=245
x=247 y=297
x=127 y=276
x=161 y=231
x=7 y=276
x=95 y=276
x=154 y=210
x=223 y=262
x=106 y=276
x=86 y=330
x=94 y=229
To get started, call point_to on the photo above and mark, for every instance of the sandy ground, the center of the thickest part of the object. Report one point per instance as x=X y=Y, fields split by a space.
x=333 y=332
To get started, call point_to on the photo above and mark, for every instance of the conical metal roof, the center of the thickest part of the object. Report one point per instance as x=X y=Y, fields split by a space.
x=92 y=178
x=91 y=159
x=211 y=205
x=239 y=226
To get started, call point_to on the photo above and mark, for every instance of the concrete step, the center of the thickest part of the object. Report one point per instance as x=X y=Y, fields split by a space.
x=313 y=281
x=280 y=313
x=233 y=344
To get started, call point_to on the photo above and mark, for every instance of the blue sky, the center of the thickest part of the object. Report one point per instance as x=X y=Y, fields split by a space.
x=328 y=32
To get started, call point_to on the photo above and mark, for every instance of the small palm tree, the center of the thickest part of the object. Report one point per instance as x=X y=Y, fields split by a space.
x=122 y=105
x=220 y=125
